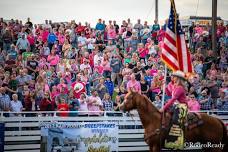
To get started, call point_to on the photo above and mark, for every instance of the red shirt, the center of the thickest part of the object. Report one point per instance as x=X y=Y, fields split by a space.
x=79 y=88
x=63 y=107
x=31 y=39
x=44 y=104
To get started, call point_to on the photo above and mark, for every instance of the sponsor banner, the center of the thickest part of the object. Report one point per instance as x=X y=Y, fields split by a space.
x=79 y=137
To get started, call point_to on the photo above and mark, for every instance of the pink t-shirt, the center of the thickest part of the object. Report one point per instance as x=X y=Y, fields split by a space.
x=153 y=72
x=94 y=106
x=100 y=68
x=31 y=39
x=106 y=66
x=61 y=39
x=135 y=85
x=111 y=33
x=45 y=36
x=53 y=60
x=142 y=52
x=199 y=30
x=193 y=105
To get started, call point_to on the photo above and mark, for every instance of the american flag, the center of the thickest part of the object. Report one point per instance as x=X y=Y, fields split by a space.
x=175 y=53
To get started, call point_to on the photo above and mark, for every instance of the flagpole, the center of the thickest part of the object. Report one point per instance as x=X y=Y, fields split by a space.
x=164 y=86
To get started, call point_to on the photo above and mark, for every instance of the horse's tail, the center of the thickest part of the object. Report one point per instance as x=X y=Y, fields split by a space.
x=224 y=137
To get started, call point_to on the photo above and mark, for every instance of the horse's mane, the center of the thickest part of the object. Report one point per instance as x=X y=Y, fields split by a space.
x=147 y=104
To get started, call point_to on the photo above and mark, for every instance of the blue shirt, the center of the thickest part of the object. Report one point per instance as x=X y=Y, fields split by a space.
x=5 y=102
x=110 y=86
x=52 y=38
x=148 y=79
x=100 y=26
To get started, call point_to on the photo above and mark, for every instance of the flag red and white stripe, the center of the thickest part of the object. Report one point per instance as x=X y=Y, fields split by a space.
x=175 y=53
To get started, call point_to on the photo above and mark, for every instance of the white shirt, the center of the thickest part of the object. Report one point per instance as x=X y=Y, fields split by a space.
x=90 y=42
x=16 y=106
x=82 y=40
x=85 y=66
x=97 y=58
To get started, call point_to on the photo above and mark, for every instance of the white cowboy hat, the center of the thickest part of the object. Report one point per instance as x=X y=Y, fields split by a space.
x=179 y=74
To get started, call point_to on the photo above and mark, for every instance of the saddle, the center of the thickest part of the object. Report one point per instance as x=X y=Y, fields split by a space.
x=193 y=120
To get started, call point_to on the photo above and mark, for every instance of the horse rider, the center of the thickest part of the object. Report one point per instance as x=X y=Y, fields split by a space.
x=179 y=91
x=177 y=105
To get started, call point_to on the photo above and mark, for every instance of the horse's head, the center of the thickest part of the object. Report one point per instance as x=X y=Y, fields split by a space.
x=129 y=101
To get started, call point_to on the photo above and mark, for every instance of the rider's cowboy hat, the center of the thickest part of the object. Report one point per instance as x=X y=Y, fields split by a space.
x=179 y=74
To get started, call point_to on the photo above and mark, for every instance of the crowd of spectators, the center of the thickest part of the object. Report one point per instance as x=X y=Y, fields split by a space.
x=76 y=67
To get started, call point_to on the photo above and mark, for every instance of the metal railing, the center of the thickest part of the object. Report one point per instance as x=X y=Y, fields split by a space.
x=88 y=113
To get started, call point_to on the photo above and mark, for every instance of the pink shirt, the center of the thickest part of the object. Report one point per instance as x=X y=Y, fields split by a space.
x=193 y=105
x=93 y=107
x=31 y=39
x=61 y=39
x=178 y=95
x=45 y=35
x=153 y=72
x=53 y=60
x=111 y=33
x=199 y=30
x=100 y=68
x=142 y=52
x=106 y=66
x=54 y=94
x=135 y=85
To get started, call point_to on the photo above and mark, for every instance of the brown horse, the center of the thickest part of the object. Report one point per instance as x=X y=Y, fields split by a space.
x=211 y=131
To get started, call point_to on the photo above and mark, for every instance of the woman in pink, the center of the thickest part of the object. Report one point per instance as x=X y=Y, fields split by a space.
x=153 y=71
x=99 y=67
x=193 y=104
x=106 y=66
x=133 y=84
x=142 y=51
x=53 y=58
x=44 y=35
x=61 y=39
x=111 y=33
x=179 y=92
x=54 y=93
x=63 y=85
x=95 y=104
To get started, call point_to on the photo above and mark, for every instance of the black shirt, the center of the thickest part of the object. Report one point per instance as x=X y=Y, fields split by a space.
x=137 y=76
x=32 y=64
x=30 y=24
x=144 y=86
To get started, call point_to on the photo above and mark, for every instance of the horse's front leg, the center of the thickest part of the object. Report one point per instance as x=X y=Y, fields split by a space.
x=151 y=148
x=156 y=148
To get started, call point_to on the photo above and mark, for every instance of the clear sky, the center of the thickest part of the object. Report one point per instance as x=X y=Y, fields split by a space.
x=91 y=10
